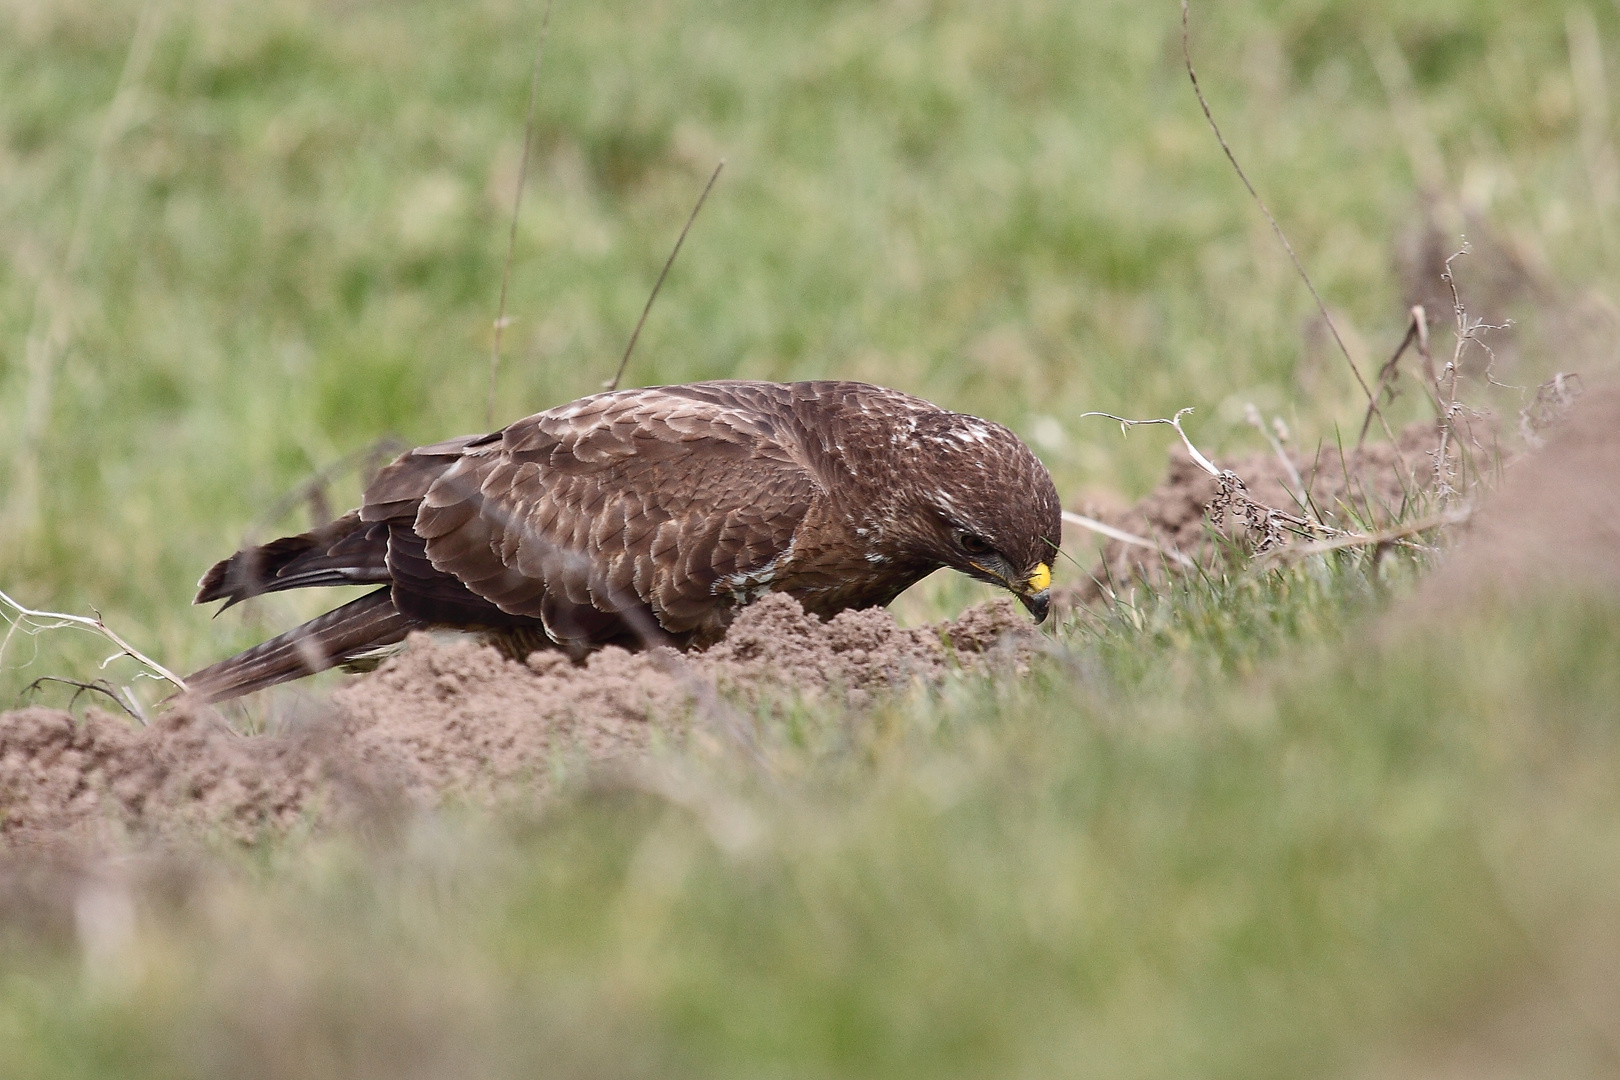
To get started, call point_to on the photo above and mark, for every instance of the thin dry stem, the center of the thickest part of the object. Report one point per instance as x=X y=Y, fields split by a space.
x=1446 y=380
x=1421 y=318
x=517 y=204
x=1104 y=529
x=96 y=686
x=1417 y=332
x=57 y=620
x=1400 y=534
x=1231 y=494
x=1255 y=420
x=1321 y=306
x=613 y=383
x=1174 y=421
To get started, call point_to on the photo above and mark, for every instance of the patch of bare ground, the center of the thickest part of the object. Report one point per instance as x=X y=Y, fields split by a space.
x=100 y=779
x=456 y=719
x=1554 y=522
x=1528 y=1029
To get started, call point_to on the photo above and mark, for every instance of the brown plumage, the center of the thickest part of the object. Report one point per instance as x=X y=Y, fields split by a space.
x=649 y=516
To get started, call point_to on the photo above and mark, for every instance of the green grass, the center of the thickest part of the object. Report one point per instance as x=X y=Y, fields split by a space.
x=296 y=241
x=1245 y=827
x=1357 y=851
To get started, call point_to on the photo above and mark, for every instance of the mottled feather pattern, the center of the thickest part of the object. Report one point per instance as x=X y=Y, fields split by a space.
x=651 y=497
x=652 y=514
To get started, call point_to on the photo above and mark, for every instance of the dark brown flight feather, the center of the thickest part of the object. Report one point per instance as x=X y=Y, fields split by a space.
x=650 y=516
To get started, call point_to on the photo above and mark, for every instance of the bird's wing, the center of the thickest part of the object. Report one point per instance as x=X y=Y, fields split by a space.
x=673 y=500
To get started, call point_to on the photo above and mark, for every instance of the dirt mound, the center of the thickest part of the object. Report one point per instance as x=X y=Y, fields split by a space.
x=1555 y=521
x=456 y=718
x=188 y=768
x=1365 y=487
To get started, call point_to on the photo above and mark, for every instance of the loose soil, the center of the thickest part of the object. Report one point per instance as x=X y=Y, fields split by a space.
x=1554 y=524
x=457 y=719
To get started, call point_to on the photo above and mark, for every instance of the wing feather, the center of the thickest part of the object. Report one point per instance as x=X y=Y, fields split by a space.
x=653 y=497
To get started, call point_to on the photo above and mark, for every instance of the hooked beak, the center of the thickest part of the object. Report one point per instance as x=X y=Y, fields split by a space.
x=1036 y=593
x=1039 y=604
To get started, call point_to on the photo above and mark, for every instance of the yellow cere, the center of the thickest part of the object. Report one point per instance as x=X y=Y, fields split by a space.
x=1040 y=579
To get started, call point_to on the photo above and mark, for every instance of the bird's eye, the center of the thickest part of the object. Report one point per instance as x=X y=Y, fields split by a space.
x=973 y=544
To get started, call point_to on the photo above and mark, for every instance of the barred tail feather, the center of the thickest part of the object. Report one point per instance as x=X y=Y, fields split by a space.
x=339 y=636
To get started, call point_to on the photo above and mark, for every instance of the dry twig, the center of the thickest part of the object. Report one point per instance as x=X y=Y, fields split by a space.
x=1104 y=529
x=1256 y=421
x=29 y=621
x=613 y=383
x=1174 y=421
x=1232 y=495
x=1417 y=332
x=517 y=204
x=96 y=686
x=1468 y=332
x=1186 y=54
x=1401 y=535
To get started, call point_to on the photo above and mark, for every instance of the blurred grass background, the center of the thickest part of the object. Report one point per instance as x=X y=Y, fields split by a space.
x=283 y=238
x=1220 y=835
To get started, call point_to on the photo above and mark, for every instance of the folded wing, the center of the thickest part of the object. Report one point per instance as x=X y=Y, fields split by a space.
x=646 y=509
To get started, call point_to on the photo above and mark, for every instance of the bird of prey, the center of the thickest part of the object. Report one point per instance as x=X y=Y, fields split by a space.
x=650 y=516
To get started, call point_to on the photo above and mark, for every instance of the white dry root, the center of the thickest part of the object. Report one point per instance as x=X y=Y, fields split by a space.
x=26 y=620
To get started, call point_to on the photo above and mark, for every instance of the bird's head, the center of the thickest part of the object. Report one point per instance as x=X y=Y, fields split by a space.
x=984 y=505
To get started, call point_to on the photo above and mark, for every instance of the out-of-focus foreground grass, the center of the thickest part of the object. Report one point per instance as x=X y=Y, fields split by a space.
x=1206 y=840
x=1229 y=832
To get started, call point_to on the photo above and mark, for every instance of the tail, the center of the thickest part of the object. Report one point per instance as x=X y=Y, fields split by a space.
x=347 y=551
x=341 y=635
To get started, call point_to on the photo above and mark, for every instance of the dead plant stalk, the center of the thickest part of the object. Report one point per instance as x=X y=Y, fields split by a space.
x=22 y=616
x=1102 y=528
x=1400 y=535
x=517 y=205
x=624 y=361
x=1299 y=267
x=1468 y=332
x=1268 y=522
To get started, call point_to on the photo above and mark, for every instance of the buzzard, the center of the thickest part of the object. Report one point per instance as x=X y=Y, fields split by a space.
x=650 y=516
